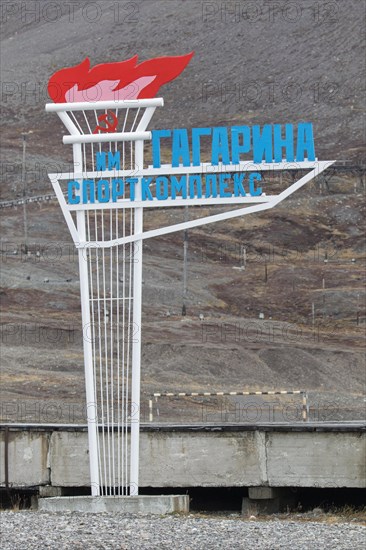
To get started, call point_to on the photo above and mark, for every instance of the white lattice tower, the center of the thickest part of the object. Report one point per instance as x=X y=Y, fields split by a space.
x=110 y=284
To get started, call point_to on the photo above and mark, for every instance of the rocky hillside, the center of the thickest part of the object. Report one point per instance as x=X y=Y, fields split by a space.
x=295 y=315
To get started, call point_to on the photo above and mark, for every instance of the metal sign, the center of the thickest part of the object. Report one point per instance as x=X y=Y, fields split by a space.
x=106 y=110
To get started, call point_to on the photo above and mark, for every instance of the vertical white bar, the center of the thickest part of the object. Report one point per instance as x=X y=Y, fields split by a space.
x=91 y=406
x=136 y=332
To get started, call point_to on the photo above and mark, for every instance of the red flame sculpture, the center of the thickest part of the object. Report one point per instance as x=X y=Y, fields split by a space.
x=111 y=81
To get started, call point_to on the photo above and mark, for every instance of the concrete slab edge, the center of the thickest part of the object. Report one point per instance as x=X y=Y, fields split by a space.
x=141 y=504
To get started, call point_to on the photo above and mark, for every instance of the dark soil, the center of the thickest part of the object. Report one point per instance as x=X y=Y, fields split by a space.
x=294 y=318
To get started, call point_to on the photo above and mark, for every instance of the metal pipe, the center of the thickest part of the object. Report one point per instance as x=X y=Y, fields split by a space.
x=91 y=406
x=106 y=138
x=136 y=344
x=111 y=104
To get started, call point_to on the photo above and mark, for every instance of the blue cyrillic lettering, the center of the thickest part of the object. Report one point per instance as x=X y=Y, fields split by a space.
x=180 y=148
x=305 y=142
x=155 y=143
x=88 y=185
x=236 y=147
x=162 y=188
x=223 y=186
x=71 y=197
x=196 y=143
x=195 y=180
x=211 y=186
x=255 y=192
x=103 y=191
x=220 y=146
x=118 y=189
x=179 y=186
x=145 y=189
x=262 y=143
x=287 y=142
x=239 y=190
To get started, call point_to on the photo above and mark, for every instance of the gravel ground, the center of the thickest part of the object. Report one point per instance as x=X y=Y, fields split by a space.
x=35 y=530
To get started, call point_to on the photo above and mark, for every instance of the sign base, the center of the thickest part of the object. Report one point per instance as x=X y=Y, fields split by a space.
x=141 y=504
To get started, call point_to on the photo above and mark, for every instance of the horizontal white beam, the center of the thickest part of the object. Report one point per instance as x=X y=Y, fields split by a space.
x=321 y=166
x=107 y=137
x=178 y=202
x=112 y=104
x=204 y=168
x=242 y=166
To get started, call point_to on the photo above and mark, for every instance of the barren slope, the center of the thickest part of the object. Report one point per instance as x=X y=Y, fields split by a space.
x=271 y=67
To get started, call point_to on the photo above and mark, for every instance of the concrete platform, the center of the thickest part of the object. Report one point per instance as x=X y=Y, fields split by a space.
x=143 y=504
x=307 y=454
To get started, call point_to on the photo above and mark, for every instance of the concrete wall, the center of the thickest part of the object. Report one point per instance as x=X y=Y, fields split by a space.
x=196 y=457
x=316 y=460
x=202 y=459
x=28 y=458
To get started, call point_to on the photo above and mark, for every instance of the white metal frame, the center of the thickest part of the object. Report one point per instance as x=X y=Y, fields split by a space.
x=78 y=233
x=259 y=203
x=136 y=138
